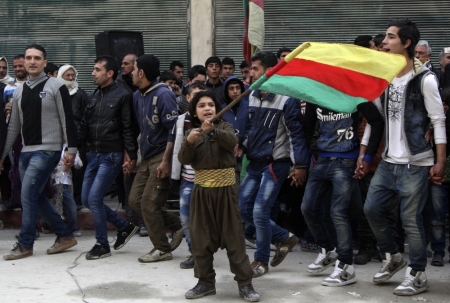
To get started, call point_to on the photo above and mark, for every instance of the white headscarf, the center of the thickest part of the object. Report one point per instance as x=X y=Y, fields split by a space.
x=7 y=78
x=72 y=86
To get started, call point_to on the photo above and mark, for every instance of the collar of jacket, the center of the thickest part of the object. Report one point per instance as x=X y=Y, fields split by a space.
x=152 y=87
x=262 y=95
x=106 y=88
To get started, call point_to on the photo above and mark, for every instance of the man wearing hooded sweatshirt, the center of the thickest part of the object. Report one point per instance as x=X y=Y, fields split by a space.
x=156 y=111
x=69 y=75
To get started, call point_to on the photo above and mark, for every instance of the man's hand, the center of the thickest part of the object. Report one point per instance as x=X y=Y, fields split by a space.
x=238 y=152
x=163 y=169
x=177 y=90
x=362 y=168
x=436 y=174
x=298 y=176
x=69 y=159
x=128 y=166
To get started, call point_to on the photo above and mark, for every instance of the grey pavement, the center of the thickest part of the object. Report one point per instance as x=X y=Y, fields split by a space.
x=121 y=278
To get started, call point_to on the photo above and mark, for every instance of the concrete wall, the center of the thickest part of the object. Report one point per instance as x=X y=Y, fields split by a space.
x=200 y=16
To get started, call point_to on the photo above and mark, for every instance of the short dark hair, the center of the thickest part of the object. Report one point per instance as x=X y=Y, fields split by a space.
x=110 y=64
x=228 y=61
x=197 y=85
x=445 y=95
x=38 y=47
x=282 y=50
x=195 y=71
x=407 y=30
x=213 y=59
x=363 y=40
x=193 y=106
x=378 y=39
x=21 y=56
x=243 y=64
x=166 y=76
x=267 y=58
x=175 y=64
x=50 y=68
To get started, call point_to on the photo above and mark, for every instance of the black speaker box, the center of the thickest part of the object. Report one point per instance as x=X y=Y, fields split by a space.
x=118 y=44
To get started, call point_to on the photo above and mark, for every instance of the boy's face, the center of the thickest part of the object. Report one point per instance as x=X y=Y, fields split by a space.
x=257 y=70
x=192 y=94
x=171 y=84
x=393 y=44
x=234 y=90
x=213 y=70
x=198 y=79
x=228 y=70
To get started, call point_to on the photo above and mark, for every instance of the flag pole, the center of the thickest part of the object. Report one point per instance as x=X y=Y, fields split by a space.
x=233 y=103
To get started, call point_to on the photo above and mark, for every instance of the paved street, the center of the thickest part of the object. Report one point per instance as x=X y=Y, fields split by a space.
x=121 y=278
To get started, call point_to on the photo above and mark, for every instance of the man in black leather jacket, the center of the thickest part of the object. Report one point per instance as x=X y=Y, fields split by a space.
x=107 y=130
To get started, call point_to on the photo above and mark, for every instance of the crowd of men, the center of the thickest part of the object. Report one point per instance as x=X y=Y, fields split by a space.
x=375 y=176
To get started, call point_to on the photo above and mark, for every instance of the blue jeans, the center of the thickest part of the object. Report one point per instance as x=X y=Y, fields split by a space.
x=185 y=203
x=257 y=195
x=410 y=184
x=336 y=174
x=35 y=170
x=439 y=208
x=69 y=208
x=101 y=170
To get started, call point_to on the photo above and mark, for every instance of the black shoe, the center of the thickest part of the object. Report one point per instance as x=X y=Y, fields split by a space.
x=99 y=251
x=125 y=235
x=200 y=290
x=188 y=263
x=248 y=293
x=376 y=254
x=438 y=260
x=363 y=257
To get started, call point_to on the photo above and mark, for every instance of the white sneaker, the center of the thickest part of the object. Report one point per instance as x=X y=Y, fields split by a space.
x=391 y=265
x=155 y=256
x=343 y=274
x=415 y=282
x=323 y=261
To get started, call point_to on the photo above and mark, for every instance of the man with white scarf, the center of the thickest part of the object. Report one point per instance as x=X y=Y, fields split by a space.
x=4 y=77
x=69 y=75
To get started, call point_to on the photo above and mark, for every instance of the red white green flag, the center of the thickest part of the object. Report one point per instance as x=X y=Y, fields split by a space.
x=334 y=76
x=254 y=27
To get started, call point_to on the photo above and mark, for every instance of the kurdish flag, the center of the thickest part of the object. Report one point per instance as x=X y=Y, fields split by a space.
x=335 y=76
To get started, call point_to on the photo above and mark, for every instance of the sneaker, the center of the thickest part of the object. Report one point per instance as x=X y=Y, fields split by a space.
x=250 y=243
x=125 y=235
x=309 y=247
x=391 y=265
x=155 y=256
x=177 y=237
x=438 y=260
x=200 y=290
x=323 y=261
x=61 y=244
x=18 y=252
x=248 y=293
x=99 y=251
x=188 y=263
x=77 y=233
x=259 y=268
x=415 y=282
x=143 y=231
x=343 y=274
x=282 y=250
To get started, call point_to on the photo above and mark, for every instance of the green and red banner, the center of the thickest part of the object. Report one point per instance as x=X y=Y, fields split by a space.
x=335 y=76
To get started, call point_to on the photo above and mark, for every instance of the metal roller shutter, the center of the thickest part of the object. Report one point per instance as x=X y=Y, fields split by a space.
x=291 y=22
x=67 y=29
